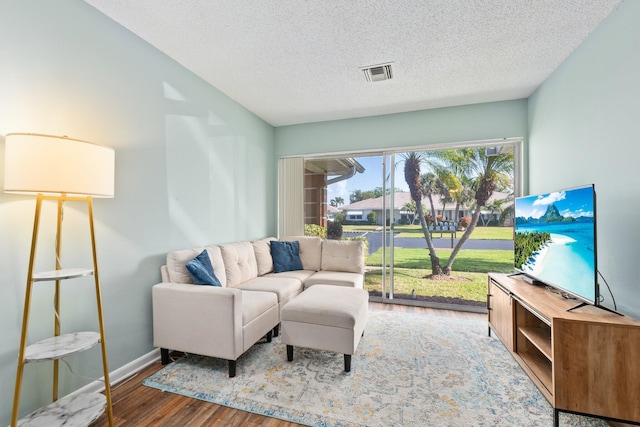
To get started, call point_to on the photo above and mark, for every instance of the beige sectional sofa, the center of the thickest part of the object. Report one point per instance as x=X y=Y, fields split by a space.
x=226 y=321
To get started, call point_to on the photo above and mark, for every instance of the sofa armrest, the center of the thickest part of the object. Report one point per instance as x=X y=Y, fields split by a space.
x=164 y=273
x=204 y=320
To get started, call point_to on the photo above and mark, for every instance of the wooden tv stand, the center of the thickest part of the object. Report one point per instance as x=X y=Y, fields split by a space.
x=585 y=361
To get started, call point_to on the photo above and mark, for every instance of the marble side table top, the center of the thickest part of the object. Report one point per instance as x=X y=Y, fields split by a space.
x=72 y=411
x=67 y=273
x=61 y=346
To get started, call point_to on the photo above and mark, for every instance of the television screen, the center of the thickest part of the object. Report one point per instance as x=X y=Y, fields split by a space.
x=555 y=240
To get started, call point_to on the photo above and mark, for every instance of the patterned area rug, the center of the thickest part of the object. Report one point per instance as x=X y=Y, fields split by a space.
x=409 y=370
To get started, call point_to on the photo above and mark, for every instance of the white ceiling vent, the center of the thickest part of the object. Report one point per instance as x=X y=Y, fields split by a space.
x=378 y=73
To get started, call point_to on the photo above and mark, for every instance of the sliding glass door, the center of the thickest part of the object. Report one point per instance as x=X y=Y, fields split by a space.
x=436 y=252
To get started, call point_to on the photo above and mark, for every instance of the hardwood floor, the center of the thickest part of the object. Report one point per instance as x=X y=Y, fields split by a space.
x=137 y=405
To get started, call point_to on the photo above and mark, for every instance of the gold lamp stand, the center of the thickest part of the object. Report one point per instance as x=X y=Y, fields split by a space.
x=58 y=346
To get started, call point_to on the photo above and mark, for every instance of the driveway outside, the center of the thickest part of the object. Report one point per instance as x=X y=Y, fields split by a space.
x=374 y=238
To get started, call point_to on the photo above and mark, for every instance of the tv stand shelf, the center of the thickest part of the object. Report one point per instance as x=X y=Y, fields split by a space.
x=538 y=338
x=584 y=361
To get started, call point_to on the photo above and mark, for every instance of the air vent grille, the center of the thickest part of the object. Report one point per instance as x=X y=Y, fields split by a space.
x=378 y=73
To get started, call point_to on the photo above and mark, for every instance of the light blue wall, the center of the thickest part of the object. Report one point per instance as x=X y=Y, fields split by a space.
x=445 y=125
x=192 y=167
x=583 y=128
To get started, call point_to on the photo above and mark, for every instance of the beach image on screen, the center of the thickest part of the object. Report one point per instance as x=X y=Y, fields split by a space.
x=555 y=240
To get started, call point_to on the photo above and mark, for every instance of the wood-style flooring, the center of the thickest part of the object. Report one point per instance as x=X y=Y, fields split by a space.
x=137 y=405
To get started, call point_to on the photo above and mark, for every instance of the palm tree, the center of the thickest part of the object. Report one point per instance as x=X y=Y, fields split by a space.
x=337 y=201
x=509 y=211
x=474 y=169
x=410 y=209
x=448 y=186
x=493 y=207
x=429 y=183
x=412 y=163
x=485 y=172
x=464 y=196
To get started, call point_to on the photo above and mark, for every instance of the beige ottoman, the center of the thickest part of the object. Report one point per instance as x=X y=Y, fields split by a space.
x=326 y=317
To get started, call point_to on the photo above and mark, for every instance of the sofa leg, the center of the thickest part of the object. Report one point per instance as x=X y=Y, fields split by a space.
x=232 y=368
x=289 y=353
x=269 y=336
x=347 y=363
x=276 y=330
x=164 y=356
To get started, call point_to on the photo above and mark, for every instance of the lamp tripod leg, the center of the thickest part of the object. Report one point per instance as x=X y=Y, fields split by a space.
x=25 y=315
x=103 y=344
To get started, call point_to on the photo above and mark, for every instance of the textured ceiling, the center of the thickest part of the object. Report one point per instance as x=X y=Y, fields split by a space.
x=297 y=61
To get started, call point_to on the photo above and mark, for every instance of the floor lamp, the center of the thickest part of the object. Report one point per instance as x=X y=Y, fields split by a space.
x=60 y=169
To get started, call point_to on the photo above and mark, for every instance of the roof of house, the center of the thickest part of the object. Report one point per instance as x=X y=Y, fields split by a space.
x=402 y=198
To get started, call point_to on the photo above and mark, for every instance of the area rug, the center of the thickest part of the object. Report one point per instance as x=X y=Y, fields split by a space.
x=409 y=370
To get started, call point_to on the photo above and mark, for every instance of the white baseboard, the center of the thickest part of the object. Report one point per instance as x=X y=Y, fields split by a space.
x=122 y=373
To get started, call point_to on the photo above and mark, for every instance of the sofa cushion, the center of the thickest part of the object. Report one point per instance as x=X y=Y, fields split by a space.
x=328 y=306
x=284 y=287
x=262 y=249
x=215 y=255
x=256 y=303
x=310 y=250
x=201 y=270
x=239 y=262
x=300 y=275
x=343 y=255
x=286 y=256
x=176 y=265
x=337 y=278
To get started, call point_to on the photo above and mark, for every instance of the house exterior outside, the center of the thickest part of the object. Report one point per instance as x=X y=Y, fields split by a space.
x=358 y=211
x=318 y=174
x=331 y=211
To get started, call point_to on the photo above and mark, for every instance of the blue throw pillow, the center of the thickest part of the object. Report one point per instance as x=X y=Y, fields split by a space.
x=286 y=256
x=201 y=270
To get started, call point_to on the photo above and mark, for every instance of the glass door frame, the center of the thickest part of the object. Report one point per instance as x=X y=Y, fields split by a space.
x=388 y=221
x=388 y=157
x=389 y=170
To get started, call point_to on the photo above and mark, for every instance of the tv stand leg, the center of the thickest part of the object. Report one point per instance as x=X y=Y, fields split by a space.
x=582 y=304
x=608 y=309
x=556 y=418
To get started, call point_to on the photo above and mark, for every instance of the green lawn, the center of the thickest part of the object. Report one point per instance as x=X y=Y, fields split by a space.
x=411 y=265
x=359 y=228
x=488 y=233
x=473 y=288
x=469 y=260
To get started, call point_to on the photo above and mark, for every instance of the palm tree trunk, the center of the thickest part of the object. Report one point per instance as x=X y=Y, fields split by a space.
x=467 y=233
x=436 y=269
x=412 y=177
x=433 y=210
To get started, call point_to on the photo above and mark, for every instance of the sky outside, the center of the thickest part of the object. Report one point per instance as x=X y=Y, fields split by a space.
x=370 y=179
x=576 y=202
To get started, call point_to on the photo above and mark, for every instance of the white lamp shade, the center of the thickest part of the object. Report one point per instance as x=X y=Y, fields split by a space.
x=47 y=164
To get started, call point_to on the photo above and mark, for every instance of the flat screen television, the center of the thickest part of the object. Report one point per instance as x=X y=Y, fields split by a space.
x=555 y=241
